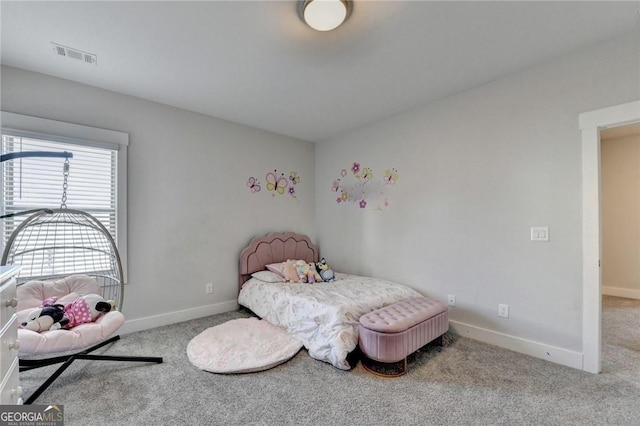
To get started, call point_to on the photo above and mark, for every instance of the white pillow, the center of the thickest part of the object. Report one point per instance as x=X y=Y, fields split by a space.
x=267 y=276
x=276 y=268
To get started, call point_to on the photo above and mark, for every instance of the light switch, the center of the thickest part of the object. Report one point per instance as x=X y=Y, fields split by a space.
x=540 y=233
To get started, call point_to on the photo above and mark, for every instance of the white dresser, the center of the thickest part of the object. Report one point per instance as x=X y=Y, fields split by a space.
x=10 y=390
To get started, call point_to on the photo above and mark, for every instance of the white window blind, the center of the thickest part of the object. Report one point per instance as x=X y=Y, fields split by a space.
x=97 y=181
x=35 y=182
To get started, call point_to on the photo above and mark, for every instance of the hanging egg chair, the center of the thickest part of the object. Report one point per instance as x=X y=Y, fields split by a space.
x=57 y=243
x=66 y=254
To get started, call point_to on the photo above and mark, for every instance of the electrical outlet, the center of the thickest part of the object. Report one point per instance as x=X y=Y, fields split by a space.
x=540 y=233
x=208 y=288
x=503 y=311
x=451 y=300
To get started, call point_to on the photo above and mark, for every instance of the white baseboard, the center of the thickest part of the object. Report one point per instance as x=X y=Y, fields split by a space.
x=621 y=292
x=146 y=323
x=518 y=344
x=536 y=349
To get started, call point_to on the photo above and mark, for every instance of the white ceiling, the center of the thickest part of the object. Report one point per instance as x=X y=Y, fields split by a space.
x=256 y=63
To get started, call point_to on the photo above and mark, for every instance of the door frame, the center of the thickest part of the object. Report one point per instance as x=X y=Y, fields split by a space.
x=590 y=125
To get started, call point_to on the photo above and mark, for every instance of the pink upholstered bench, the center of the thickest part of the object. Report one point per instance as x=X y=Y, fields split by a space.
x=392 y=333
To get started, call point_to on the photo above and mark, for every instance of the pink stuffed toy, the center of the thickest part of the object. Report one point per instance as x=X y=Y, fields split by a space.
x=52 y=316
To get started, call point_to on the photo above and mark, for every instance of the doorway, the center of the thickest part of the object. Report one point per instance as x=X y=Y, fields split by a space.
x=620 y=210
x=591 y=123
x=620 y=262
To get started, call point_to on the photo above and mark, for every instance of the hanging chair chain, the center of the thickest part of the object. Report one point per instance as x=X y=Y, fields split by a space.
x=65 y=174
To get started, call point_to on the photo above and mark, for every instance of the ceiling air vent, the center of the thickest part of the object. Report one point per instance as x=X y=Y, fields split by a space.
x=76 y=54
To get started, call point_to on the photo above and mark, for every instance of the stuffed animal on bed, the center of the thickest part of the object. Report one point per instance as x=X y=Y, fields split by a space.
x=299 y=271
x=55 y=316
x=290 y=271
x=325 y=272
x=307 y=272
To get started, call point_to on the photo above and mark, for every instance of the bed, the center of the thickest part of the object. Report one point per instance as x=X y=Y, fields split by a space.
x=323 y=316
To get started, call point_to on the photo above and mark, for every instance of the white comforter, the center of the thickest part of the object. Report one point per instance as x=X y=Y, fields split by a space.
x=323 y=316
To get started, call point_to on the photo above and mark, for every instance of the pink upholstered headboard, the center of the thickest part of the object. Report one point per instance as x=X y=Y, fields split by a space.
x=273 y=248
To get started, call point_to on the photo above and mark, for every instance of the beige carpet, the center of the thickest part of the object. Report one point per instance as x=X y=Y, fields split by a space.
x=620 y=323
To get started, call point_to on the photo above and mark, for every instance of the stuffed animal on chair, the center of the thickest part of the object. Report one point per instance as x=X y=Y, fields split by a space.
x=42 y=319
x=325 y=272
x=52 y=316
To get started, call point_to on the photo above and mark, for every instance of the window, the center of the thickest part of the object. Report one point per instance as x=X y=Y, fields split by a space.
x=32 y=182
x=95 y=183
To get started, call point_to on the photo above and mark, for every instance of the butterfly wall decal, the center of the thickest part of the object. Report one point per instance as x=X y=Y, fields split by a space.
x=391 y=176
x=254 y=185
x=294 y=178
x=366 y=174
x=276 y=183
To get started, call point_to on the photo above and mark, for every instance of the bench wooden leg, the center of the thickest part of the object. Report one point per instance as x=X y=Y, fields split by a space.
x=370 y=365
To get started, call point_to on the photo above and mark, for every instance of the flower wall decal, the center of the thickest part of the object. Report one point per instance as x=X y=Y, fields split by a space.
x=363 y=188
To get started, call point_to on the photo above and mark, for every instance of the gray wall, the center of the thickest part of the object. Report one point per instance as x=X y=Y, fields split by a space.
x=477 y=170
x=189 y=209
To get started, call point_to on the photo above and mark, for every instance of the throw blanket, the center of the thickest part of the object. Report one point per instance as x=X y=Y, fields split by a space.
x=323 y=316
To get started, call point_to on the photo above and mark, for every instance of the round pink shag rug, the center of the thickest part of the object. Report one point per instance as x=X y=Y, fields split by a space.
x=243 y=345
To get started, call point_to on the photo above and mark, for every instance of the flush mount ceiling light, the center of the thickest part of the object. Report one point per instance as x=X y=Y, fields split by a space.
x=325 y=15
